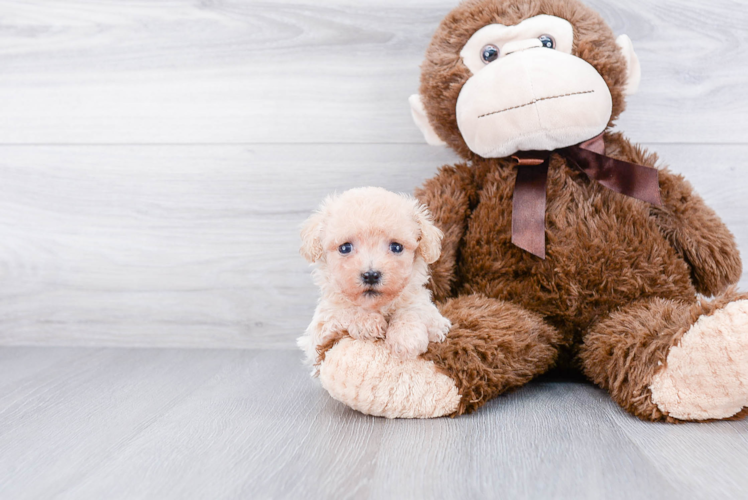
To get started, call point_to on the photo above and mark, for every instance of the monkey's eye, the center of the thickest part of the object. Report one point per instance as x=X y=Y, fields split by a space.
x=547 y=41
x=345 y=248
x=489 y=53
x=396 y=247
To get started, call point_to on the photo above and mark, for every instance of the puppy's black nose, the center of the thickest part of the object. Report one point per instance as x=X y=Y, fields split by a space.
x=371 y=277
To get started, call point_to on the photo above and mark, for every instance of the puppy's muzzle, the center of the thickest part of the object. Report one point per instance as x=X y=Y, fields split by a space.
x=371 y=278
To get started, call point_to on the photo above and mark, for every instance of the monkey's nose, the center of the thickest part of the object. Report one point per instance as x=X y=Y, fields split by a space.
x=371 y=277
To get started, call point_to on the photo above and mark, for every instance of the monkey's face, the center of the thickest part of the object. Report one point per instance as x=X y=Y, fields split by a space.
x=540 y=83
x=527 y=92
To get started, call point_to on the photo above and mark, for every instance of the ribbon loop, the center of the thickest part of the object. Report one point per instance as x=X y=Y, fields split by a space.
x=529 y=199
x=630 y=179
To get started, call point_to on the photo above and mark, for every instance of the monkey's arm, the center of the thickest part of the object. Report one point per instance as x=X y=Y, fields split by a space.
x=691 y=227
x=449 y=196
x=698 y=234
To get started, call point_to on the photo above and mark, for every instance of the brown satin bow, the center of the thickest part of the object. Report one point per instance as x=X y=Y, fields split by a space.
x=529 y=202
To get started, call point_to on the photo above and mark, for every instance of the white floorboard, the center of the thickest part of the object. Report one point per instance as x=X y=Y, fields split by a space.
x=145 y=423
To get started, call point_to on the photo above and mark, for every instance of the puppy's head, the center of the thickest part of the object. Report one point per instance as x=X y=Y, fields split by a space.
x=370 y=243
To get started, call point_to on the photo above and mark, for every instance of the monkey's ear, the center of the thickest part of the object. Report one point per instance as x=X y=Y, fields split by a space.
x=422 y=121
x=633 y=68
x=430 y=244
x=311 y=238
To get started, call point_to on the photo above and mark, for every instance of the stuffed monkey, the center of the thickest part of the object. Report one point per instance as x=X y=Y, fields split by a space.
x=565 y=244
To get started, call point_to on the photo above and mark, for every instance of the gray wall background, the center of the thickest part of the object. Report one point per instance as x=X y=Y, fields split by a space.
x=157 y=158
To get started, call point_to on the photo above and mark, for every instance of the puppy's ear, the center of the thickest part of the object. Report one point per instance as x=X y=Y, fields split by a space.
x=311 y=237
x=430 y=244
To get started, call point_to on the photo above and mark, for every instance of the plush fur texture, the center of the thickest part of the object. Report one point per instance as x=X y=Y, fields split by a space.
x=631 y=350
x=529 y=97
x=396 y=306
x=368 y=378
x=443 y=74
x=494 y=346
x=706 y=374
x=617 y=293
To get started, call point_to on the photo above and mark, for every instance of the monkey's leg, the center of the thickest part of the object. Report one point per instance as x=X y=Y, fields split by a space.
x=666 y=360
x=493 y=346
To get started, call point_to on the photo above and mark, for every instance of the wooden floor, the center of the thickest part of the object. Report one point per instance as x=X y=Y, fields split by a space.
x=156 y=161
x=93 y=423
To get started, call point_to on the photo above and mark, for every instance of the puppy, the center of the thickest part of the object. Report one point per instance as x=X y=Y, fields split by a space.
x=372 y=248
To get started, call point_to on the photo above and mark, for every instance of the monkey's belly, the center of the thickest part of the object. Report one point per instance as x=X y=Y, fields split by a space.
x=603 y=251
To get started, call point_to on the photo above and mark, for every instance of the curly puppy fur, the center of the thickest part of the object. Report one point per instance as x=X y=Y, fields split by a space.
x=618 y=288
x=371 y=291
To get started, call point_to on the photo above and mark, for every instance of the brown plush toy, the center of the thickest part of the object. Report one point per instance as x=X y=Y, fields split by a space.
x=559 y=248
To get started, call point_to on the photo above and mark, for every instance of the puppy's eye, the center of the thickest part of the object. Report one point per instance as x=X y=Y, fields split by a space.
x=547 y=41
x=345 y=248
x=396 y=247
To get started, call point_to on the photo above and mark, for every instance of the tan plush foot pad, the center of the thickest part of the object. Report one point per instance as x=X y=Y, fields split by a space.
x=367 y=377
x=706 y=376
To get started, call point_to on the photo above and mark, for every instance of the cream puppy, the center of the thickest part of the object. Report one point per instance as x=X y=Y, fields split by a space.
x=372 y=248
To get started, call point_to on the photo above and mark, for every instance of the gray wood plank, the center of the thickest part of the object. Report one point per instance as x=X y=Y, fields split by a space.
x=18 y=364
x=97 y=403
x=198 y=245
x=726 y=444
x=243 y=72
x=143 y=423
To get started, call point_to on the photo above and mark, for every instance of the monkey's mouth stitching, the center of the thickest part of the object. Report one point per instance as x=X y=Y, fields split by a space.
x=536 y=100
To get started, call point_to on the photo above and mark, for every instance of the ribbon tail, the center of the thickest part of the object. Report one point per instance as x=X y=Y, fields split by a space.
x=637 y=181
x=528 y=208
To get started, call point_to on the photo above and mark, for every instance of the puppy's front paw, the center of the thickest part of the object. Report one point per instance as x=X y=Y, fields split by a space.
x=407 y=339
x=439 y=328
x=367 y=326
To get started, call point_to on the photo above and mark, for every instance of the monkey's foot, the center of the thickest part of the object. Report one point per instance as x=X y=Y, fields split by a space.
x=706 y=376
x=367 y=377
